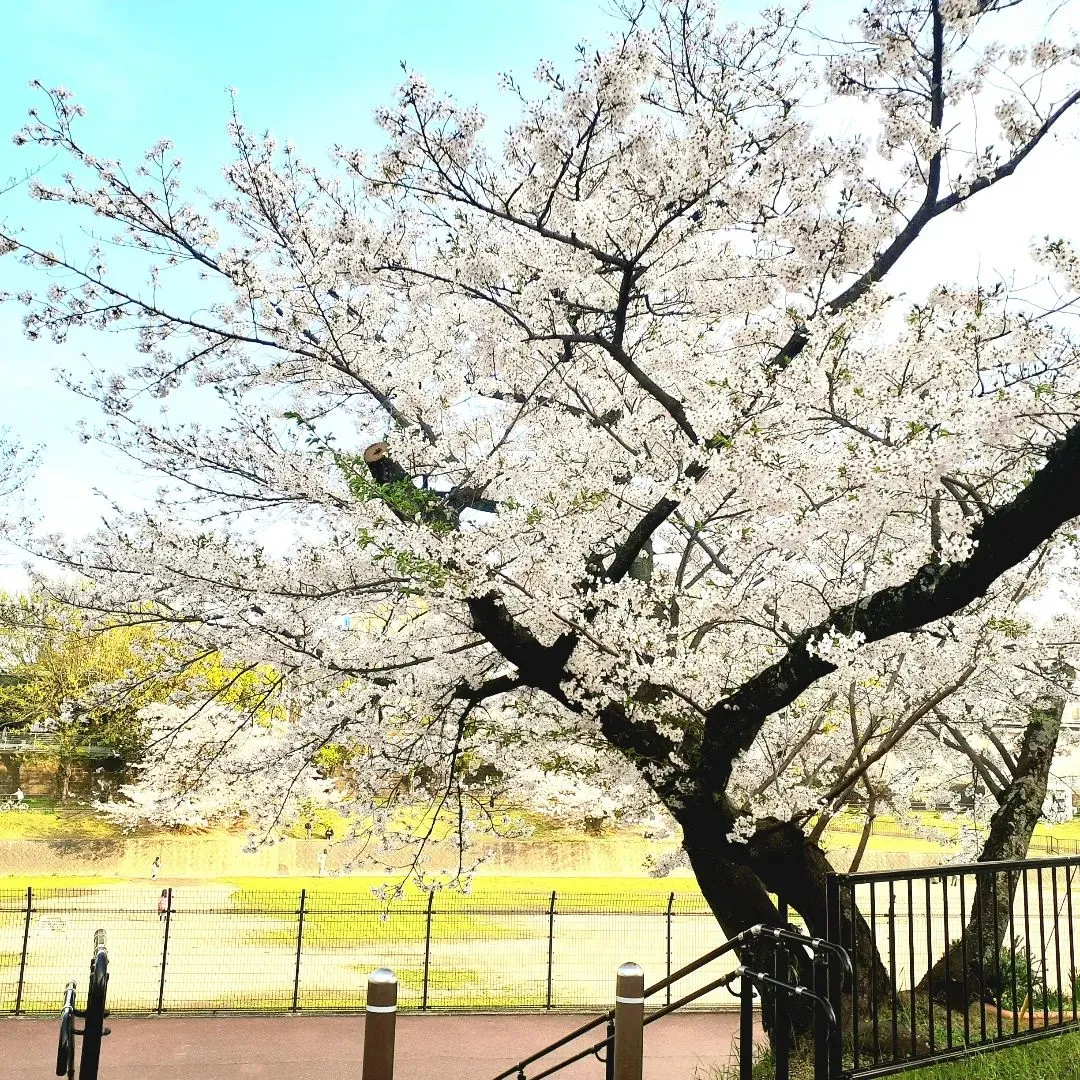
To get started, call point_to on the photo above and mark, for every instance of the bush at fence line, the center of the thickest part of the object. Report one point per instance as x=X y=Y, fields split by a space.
x=982 y=1018
x=1031 y=983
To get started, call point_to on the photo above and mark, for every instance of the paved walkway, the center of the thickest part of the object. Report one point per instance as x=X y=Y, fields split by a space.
x=681 y=1047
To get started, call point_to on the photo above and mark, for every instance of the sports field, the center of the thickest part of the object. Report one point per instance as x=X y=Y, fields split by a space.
x=259 y=945
x=515 y=943
x=275 y=945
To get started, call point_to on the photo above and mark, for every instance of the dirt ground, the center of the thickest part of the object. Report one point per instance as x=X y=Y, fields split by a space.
x=681 y=1047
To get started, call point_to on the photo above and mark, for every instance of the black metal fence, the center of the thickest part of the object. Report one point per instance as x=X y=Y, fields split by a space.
x=219 y=949
x=951 y=959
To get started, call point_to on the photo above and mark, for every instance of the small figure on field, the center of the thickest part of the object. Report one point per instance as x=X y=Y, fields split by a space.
x=155 y=866
x=307 y=829
x=329 y=833
x=322 y=860
x=163 y=905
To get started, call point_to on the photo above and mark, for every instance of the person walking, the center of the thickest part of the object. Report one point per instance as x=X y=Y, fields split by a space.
x=307 y=829
x=155 y=868
x=321 y=857
x=163 y=905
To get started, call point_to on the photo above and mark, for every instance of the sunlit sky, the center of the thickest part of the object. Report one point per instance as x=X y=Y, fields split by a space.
x=314 y=73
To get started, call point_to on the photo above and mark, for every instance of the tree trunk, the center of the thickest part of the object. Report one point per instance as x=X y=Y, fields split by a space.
x=736 y=879
x=738 y=900
x=1011 y=828
x=63 y=781
x=13 y=767
x=796 y=868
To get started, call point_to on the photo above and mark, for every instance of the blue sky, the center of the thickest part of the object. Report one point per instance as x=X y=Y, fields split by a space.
x=314 y=72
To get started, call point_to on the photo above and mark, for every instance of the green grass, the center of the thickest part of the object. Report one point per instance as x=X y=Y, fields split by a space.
x=418 y=821
x=43 y=824
x=326 y=931
x=1056 y=1057
x=494 y=887
x=1053 y=1058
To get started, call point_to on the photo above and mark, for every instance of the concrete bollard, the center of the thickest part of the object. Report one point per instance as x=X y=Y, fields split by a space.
x=629 y=1022
x=380 y=1023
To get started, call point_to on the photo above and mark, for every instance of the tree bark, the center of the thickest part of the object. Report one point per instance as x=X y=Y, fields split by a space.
x=796 y=868
x=1011 y=829
x=780 y=859
x=739 y=900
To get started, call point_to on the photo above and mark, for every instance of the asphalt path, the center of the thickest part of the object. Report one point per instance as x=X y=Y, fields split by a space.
x=461 y=1047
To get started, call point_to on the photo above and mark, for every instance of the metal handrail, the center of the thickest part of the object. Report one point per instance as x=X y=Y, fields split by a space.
x=818 y=945
x=759 y=978
x=93 y=1017
x=65 y=1047
x=687 y=969
x=94 y=1028
x=920 y=873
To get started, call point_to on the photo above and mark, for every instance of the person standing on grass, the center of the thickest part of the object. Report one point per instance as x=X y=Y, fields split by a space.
x=155 y=867
x=321 y=857
x=163 y=905
x=329 y=833
x=307 y=829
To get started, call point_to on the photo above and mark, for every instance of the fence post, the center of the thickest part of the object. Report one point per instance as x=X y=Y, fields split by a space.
x=164 y=952
x=822 y=1028
x=551 y=947
x=94 y=1016
x=380 y=1022
x=25 y=941
x=746 y=1027
x=670 y=903
x=782 y=1024
x=629 y=1022
x=835 y=976
x=299 y=946
x=427 y=950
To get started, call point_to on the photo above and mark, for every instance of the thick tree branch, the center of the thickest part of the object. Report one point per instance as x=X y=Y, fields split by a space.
x=1004 y=539
x=540 y=666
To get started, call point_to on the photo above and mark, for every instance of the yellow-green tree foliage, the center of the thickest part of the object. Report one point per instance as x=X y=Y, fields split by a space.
x=89 y=682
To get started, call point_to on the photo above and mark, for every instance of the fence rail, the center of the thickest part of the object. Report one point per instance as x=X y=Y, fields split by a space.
x=203 y=949
x=956 y=958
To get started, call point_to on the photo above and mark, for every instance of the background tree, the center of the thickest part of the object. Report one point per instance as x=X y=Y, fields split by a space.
x=86 y=682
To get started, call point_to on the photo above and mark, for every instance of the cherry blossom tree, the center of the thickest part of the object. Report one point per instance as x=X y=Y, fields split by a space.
x=609 y=437
x=16 y=463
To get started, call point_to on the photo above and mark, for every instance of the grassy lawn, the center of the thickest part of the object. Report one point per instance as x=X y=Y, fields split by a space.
x=494 y=893
x=43 y=824
x=502 y=892
x=1054 y=1058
